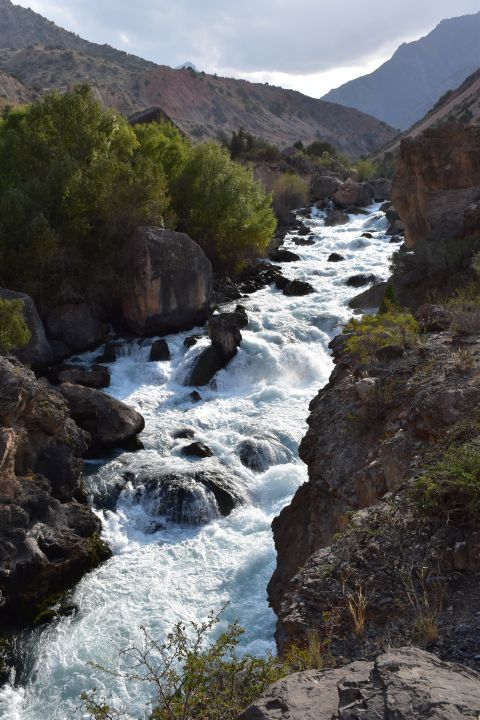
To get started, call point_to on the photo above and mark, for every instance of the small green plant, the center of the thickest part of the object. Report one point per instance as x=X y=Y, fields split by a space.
x=14 y=332
x=373 y=332
x=451 y=486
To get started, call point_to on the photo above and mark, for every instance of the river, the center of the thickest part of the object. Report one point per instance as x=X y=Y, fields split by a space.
x=162 y=572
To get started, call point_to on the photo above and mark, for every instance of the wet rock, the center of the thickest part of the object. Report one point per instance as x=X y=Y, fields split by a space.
x=37 y=352
x=95 y=376
x=304 y=231
x=335 y=257
x=112 y=350
x=110 y=422
x=382 y=188
x=369 y=299
x=258 y=454
x=191 y=498
x=191 y=340
x=159 y=351
x=184 y=434
x=336 y=217
x=367 y=235
x=297 y=287
x=361 y=280
x=224 y=332
x=283 y=255
x=281 y=282
x=415 y=683
x=170 y=282
x=197 y=449
x=75 y=325
x=396 y=239
x=303 y=241
x=195 y=396
x=206 y=365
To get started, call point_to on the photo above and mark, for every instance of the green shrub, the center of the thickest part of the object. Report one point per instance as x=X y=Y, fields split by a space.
x=365 y=170
x=372 y=332
x=14 y=332
x=289 y=193
x=221 y=206
x=196 y=678
x=451 y=486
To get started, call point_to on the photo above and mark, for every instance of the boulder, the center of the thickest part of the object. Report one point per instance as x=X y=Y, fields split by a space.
x=335 y=217
x=110 y=422
x=170 y=282
x=405 y=684
x=335 y=257
x=367 y=235
x=297 y=287
x=283 y=255
x=369 y=299
x=324 y=186
x=303 y=241
x=433 y=318
x=224 y=332
x=192 y=498
x=95 y=376
x=382 y=188
x=112 y=350
x=37 y=352
x=197 y=449
x=159 y=351
x=184 y=434
x=76 y=326
x=209 y=362
x=437 y=182
x=258 y=454
x=355 y=193
x=360 y=280
x=191 y=340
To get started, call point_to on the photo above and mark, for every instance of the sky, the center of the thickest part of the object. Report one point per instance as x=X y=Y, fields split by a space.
x=307 y=45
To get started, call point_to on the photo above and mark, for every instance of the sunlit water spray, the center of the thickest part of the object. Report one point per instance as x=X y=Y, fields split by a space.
x=162 y=572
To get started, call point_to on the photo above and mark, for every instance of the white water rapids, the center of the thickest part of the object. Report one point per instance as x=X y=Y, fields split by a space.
x=161 y=572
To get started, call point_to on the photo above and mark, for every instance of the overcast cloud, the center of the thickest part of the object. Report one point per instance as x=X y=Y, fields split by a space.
x=310 y=45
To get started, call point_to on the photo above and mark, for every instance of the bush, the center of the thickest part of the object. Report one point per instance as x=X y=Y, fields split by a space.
x=464 y=306
x=221 y=206
x=14 y=332
x=451 y=487
x=289 y=192
x=195 y=679
x=372 y=332
x=365 y=170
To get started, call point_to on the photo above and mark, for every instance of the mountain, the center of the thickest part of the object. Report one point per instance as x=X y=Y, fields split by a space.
x=461 y=105
x=13 y=92
x=403 y=89
x=45 y=57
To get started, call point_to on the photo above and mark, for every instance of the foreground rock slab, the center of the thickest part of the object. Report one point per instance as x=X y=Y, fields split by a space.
x=406 y=684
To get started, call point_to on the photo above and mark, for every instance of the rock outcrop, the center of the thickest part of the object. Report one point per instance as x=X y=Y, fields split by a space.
x=76 y=326
x=437 y=185
x=170 y=282
x=109 y=422
x=224 y=333
x=48 y=535
x=37 y=353
x=405 y=684
x=359 y=194
x=354 y=526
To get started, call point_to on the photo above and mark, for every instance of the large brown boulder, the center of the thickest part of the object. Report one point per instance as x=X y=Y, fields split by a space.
x=170 y=282
x=405 y=684
x=76 y=325
x=37 y=352
x=324 y=186
x=110 y=422
x=355 y=193
x=438 y=183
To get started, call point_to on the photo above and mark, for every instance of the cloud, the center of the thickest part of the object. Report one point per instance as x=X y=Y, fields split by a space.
x=277 y=37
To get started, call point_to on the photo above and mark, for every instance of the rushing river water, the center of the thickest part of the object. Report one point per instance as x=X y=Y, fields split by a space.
x=163 y=572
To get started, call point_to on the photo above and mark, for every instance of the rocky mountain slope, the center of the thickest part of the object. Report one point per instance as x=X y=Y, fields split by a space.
x=44 y=57
x=406 y=87
x=461 y=105
x=13 y=92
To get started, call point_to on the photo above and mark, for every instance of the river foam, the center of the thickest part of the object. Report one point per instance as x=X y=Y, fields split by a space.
x=163 y=572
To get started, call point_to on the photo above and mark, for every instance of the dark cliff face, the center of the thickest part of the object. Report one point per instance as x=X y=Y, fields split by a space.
x=353 y=529
x=48 y=535
x=436 y=190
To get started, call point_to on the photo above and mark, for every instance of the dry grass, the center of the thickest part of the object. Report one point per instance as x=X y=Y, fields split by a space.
x=426 y=596
x=357 y=607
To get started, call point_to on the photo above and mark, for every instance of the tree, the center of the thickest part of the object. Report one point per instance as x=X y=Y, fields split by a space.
x=14 y=332
x=318 y=147
x=73 y=182
x=221 y=206
x=163 y=143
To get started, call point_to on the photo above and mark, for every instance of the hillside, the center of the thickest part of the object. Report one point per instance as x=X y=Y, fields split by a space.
x=44 y=56
x=13 y=92
x=403 y=89
x=460 y=105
